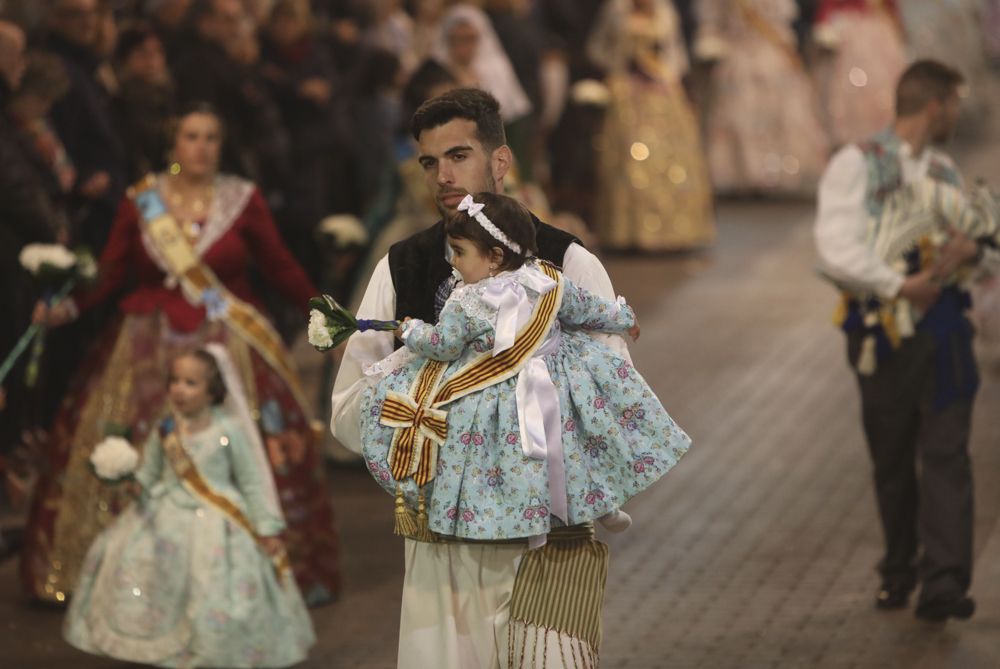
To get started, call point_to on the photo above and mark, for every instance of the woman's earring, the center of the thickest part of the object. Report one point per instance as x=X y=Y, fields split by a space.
x=175 y=168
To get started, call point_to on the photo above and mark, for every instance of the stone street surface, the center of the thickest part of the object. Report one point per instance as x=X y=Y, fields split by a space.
x=759 y=549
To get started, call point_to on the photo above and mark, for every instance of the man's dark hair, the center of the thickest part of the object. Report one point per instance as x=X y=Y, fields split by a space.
x=923 y=82
x=507 y=214
x=131 y=38
x=471 y=104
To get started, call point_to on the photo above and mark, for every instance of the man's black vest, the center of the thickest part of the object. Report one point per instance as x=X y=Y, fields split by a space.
x=418 y=266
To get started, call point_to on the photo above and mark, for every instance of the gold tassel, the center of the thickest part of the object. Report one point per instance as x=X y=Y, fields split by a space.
x=887 y=316
x=412 y=525
x=405 y=523
x=904 y=319
x=867 y=361
x=840 y=313
x=423 y=531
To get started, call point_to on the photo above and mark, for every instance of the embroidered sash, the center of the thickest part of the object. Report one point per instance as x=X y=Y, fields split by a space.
x=188 y=474
x=420 y=421
x=200 y=286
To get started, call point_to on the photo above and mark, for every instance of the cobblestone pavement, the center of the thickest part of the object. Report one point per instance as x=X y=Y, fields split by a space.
x=758 y=551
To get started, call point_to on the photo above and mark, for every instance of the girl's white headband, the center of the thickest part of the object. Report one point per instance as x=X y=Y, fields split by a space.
x=475 y=210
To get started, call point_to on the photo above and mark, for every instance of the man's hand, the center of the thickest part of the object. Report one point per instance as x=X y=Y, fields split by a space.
x=922 y=289
x=959 y=250
x=54 y=316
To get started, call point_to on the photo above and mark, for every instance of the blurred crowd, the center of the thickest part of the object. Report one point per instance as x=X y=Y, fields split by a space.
x=625 y=117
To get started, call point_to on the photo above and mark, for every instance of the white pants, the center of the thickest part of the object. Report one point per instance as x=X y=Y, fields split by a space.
x=456 y=610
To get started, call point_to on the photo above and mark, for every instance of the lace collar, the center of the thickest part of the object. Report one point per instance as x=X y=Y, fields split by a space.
x=229 y=199
x=518 y=289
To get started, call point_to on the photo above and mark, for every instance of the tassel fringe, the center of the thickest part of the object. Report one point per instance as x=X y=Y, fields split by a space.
x=528 y=647
x=405 y=524
x=904 y=319
x=408 y=524
x=867 y=362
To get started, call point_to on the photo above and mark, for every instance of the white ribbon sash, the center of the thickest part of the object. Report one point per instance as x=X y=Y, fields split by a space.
x=538 y=412
x=506 y=294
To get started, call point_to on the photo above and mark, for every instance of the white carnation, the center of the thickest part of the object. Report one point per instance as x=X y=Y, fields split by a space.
x=345 y=229
x=319 y=335
x=33 y=256
x=114 y=458
x=87 y=268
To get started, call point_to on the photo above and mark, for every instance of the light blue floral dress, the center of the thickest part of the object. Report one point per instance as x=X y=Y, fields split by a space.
x=174 y=583
x=617 y=438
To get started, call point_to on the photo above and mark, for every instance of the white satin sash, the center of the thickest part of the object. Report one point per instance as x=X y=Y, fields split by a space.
x=538 y=412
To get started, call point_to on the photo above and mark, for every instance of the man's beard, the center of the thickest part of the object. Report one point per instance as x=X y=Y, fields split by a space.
x=488 y=186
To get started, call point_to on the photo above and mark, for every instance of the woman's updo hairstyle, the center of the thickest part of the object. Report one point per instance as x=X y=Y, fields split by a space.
x=510 y=216
x=197 y=107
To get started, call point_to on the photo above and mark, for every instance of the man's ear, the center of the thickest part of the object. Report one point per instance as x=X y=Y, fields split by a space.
x=501 y=161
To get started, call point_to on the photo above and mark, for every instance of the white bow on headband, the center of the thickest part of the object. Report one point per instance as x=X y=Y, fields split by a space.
x=475 y=210
x=467 y=204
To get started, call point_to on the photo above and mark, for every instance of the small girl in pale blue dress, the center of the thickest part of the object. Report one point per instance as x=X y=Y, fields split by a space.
x=194 y=573
x=567 y=437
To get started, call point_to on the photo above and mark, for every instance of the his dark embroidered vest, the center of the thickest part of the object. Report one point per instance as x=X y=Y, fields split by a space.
x=885 y=171
x=418 y=266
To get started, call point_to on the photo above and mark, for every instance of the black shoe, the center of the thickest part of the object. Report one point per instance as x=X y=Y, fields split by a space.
x=893 y=596
x=939 y=610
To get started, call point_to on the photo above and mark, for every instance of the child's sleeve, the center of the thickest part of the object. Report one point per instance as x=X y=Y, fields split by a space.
x=256 y=484
x=151 y=467
x=446 y=340
x=582 y=309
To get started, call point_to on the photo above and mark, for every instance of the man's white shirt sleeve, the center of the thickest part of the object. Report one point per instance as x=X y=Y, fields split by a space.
x=584 y=269
x=841 y=227
x=363 y=349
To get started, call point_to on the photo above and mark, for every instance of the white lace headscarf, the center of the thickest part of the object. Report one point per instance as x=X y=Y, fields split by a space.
x=492 y=65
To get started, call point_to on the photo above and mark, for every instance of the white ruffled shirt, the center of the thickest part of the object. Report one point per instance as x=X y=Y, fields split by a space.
x=842 y=219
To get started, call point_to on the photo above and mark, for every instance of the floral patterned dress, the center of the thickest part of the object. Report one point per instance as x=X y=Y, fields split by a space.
x=174 y=583
x=617 y=438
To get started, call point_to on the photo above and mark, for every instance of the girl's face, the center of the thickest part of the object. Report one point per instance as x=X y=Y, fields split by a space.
x=471 y=263
x=198 y=144
x=187 y=386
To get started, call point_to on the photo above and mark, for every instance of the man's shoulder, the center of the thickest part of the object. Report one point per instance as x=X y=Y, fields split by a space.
x=419 y=241
x=550 y=234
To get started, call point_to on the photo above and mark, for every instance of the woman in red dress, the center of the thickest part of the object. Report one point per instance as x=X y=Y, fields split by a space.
x=223 y=224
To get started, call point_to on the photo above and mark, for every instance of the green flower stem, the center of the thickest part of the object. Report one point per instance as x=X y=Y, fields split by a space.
x=33 y=331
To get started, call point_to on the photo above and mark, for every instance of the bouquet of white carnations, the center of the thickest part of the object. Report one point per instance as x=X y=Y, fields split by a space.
x=114 y=459
x=331 y=324
x=57 y=270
